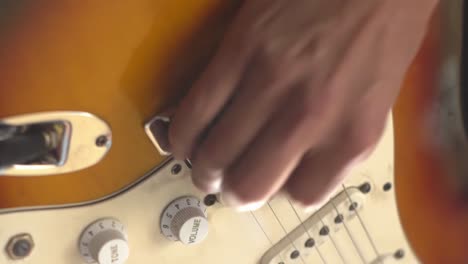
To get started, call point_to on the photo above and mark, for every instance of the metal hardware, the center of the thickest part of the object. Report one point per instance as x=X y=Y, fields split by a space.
x=314 y=225
x=365 y=188
x=353 y=206
x=6 y=131
x=176 y=169
x=295 y=254
x=102 y=141
x=20 y=246
x=75 y=135
x=339 y=219
x=309 y=243
x=27 y=146
x=399 y=254
x=324 y=231
x=387 y=186
x=157 y=131
x=210 y=199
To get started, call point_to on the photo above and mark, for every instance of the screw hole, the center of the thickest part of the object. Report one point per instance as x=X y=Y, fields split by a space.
x=365 y=188
x=176 y=169
x=387 y=187
x=102 y=141
x=210 y=200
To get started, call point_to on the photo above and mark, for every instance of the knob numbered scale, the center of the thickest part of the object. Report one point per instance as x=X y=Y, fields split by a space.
x=185 y=220
x=105 y=242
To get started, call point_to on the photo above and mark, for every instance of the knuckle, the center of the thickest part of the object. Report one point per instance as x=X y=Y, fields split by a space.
x=307 y=198
x=274 y=58
x=308 y=121
x=312 y=107
x=269 y=65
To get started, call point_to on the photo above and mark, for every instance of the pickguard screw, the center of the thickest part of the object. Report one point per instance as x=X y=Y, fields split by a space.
x=210 y=200
x=309 y=243
x=102 y=141
x=399 y=254
x=176 y=169
x=295 y=254
x=387 y=187
x=324 y=231
x=20 y=246
x=365 y=188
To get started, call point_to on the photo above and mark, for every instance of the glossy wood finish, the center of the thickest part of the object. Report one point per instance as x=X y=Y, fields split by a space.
x=127 y=60
x=121 y=60
x=434 y=219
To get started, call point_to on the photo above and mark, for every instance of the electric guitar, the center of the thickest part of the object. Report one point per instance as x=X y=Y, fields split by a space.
x=85 y=177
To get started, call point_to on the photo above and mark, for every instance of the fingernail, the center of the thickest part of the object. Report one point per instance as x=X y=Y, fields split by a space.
x=214 y=186
x=230 y=199
x=311 y=208
x=316 y=205
x=209 y=180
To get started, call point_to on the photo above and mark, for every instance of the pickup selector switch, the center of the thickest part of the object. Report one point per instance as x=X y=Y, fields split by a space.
x=185 y=220
x=105 y=242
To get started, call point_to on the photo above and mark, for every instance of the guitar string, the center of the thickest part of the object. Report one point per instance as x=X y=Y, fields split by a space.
x=285 y=231
x=307 y=231
x=366 y=231
x=331 y=238
x=358 y=250
x=265 y=233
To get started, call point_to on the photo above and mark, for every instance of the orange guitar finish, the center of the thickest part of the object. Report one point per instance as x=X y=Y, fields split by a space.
x=125 y=61
x=434 y=218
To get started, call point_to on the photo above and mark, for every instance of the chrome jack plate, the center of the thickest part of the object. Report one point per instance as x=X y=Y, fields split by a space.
x=83 y=140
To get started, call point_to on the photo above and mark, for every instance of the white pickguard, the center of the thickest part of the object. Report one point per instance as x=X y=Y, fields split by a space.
x=233 y=238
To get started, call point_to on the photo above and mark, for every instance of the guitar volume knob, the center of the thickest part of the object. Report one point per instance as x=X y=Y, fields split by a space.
x=105 y=242
x=185 y=220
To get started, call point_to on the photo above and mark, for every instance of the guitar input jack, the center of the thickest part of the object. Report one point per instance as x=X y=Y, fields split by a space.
x=20 y=246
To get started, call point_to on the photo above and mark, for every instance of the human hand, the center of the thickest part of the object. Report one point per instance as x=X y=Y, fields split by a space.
x=298 y=92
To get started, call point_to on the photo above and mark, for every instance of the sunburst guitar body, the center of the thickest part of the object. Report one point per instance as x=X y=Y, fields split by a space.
x=81 y=80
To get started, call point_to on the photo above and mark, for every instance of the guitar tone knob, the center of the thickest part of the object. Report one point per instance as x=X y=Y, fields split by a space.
x=185 y=220
x=105 y=242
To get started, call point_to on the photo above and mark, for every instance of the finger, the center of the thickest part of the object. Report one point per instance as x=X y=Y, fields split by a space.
x=265 y=166
x=258 y=95
x=321 y=171
x=208 y=95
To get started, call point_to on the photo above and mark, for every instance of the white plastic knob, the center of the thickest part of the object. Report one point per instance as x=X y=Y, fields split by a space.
x=105 y=242
x=185 y=220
